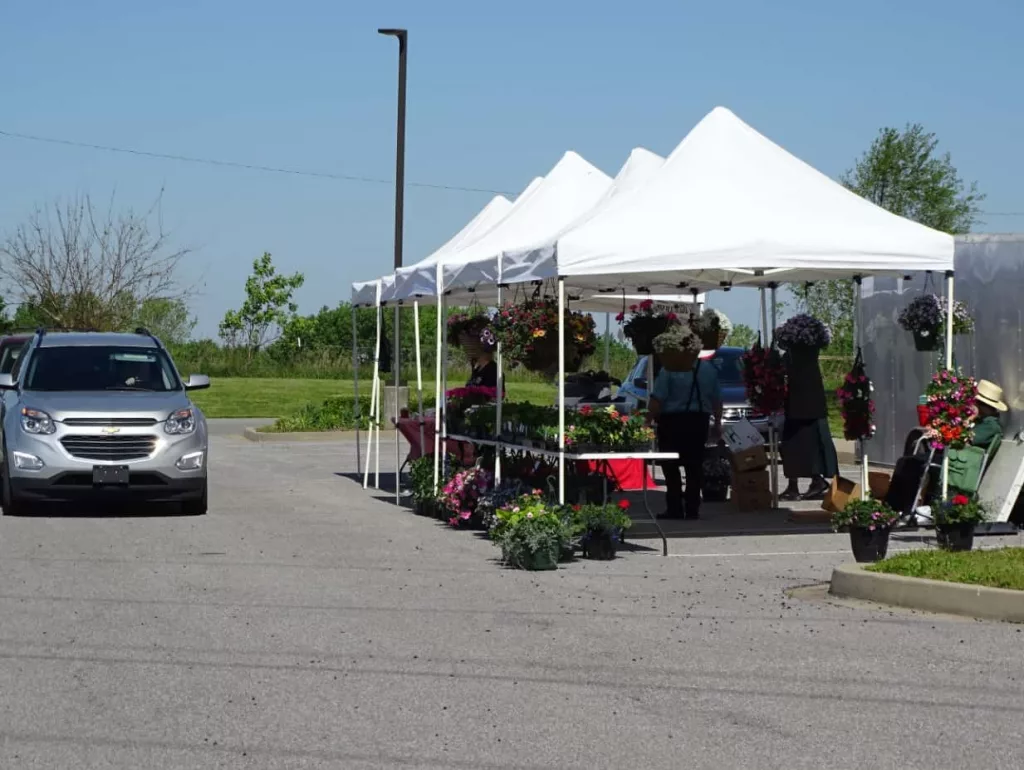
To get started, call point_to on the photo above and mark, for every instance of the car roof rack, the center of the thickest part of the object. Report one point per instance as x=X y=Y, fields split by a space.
x=147 y=333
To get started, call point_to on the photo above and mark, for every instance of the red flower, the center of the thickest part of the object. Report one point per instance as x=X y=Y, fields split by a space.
x=585 y=410
x=577 y=507
x=620 y=317
x=624 y=504
x=960 y=500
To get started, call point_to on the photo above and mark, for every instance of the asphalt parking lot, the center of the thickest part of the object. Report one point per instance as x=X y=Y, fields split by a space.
x=305 y=623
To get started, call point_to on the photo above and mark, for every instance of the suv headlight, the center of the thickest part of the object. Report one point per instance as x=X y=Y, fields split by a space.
x=36 y=421
x=181 y=422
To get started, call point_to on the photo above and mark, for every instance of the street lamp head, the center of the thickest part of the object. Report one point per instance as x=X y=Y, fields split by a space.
x=399 y=33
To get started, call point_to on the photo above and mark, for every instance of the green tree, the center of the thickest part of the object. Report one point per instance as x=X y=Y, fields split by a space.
x=903 y=172
x=168 y=319
x=267 y=310
x=741 y=336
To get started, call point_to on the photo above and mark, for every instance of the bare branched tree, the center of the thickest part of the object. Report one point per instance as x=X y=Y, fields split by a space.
x=79 y=267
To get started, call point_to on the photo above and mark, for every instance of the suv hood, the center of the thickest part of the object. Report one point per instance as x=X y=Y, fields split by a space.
x=63 y=404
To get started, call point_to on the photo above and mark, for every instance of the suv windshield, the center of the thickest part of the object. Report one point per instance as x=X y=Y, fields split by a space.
x=730 y=366
x=100 y=368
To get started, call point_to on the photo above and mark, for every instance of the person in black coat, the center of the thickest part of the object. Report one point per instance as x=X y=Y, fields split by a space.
x=807 y=447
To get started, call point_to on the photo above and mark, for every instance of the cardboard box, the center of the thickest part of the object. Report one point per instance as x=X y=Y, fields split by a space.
x=741 y=435
x=746 y=460
x=751 y=491
x=844 y=490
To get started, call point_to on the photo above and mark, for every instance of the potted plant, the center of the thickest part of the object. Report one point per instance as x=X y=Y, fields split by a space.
x=855 y=401
x=607 y=430
x=764 y=376
x=528 y=333
x=602 y=527
x=717 y=478
x=421 y=481
x=963 y=322
x=678 y=347
x=923 y=318
x=461 y=493
x=955 y=520
x=714 y=328
x=952 y=409
x=458 y=400
x=869 y=522
x=644 y=324
x=530 y=533
x=803 y=334
x=471 y=331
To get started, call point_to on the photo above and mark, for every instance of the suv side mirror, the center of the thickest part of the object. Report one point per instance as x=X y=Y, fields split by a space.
x=197 y=382
x=7 y=382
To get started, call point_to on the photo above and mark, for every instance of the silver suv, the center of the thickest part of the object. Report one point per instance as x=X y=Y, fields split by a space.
x=90 y=415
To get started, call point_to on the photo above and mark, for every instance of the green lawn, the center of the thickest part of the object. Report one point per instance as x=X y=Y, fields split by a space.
x=278 y=397
x=998 y=568
x=271 y=397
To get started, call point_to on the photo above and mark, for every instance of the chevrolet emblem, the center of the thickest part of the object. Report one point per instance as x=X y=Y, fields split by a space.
x=110 y=429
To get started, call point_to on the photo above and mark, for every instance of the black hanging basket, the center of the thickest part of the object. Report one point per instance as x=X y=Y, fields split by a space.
x=927 y=340
x=869 y=545
x=959 y=537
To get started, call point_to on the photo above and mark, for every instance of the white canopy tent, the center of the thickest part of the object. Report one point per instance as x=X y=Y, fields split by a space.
x=729 y=206
x=421 y=278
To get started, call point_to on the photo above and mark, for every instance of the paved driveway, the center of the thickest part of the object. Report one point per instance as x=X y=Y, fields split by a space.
x=305 y=624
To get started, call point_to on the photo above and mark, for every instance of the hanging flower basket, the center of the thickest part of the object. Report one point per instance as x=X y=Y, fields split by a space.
x=856 y=403
x=713 y=327
x=925 y=318
x=471 y=331
x=678 y=348
x=644 y=325
x=952 y=409
x=803 y=333
x=765 y=378
x=927 y=340
x=528 y=333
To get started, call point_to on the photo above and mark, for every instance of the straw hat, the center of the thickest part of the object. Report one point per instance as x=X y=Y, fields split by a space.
x=991 y=394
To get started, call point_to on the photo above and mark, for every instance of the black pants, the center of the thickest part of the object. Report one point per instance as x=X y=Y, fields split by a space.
x=687 y=434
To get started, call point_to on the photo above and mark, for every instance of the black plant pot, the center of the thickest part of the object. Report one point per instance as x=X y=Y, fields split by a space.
x=869 y=545
x=599 y=545
x=424 y=508
x=927 y=340
x=957 y=537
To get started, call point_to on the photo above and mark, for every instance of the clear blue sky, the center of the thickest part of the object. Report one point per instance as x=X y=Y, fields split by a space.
x=497 y=92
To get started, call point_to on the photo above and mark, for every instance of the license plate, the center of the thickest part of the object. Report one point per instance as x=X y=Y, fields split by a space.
x=110 y=474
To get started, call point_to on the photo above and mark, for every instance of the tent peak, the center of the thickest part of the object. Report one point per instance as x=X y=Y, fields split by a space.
x=573 y=163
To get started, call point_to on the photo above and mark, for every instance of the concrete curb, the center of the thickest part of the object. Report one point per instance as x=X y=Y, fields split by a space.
x=852 y=581
x=306 y=437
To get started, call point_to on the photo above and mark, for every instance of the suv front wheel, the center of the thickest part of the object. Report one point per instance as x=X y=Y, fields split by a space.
x=195 y=506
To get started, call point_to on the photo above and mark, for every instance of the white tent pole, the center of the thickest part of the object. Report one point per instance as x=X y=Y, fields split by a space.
x=355 y=386
x=773 y=436
x=437 y=378
x=373 y=391
x=858 y=326
x=561 y=391
x=419 y=370
x=500 y=395
x=764 y=317
x=443 y=402
x=398 y=405
x=949 y=365
x=607 y=339
x=379 y=387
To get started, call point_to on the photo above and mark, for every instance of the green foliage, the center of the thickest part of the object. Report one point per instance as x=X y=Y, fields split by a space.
x=741 y=336
x=168 y=319
x=530 y=532
x=267 y=309
x=421 y=478
x=959 y=510
x=903 y=173
x=335 y=413
x=607 y=428
x=996 y=568
x=608 y=518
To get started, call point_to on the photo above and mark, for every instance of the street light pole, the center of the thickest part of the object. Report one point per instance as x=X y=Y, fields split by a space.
x=403 y=45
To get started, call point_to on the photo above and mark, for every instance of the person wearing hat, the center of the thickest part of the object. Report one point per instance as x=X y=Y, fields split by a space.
x=990 y=406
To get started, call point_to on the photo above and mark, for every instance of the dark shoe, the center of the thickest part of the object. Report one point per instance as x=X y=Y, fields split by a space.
x=691 y=516
x=791 y=494
x=817 y=491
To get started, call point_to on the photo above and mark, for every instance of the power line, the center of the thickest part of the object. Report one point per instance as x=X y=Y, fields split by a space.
x=300 y=172
x=248 y=166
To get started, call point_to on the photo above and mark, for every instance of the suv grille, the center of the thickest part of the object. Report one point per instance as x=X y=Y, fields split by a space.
x=109 y=447
x=105 y=422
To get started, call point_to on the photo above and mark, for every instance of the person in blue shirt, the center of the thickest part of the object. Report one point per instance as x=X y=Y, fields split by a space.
x=683 y=404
